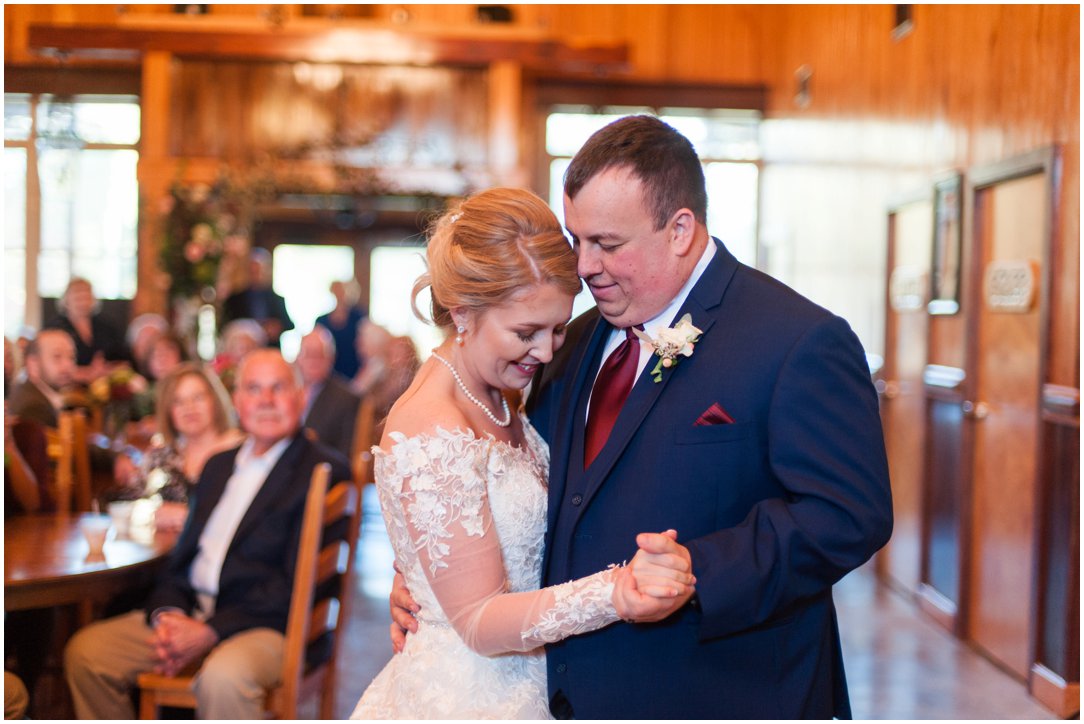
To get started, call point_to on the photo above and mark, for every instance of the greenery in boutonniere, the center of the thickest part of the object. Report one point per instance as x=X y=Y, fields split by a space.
x=671 y=343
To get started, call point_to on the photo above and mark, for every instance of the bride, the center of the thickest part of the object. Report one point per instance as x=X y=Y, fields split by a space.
x=462 y=479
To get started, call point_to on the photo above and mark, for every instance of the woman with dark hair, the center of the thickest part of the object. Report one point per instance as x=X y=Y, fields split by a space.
x=97 y=341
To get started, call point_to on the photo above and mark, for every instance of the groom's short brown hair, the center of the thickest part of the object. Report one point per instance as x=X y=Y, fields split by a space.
x=664 y=160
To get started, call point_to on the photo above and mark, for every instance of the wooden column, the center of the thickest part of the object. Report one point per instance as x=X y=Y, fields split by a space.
x=506 y=118
x=153 y=172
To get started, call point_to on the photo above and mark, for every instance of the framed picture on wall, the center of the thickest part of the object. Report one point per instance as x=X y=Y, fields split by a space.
x=947 y=245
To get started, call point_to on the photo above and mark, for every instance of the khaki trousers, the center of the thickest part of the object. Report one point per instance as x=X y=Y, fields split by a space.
x=102 y=661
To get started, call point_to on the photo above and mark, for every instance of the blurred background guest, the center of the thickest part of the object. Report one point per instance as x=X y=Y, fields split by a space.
x=401 y=364
x=372 y=344
x=239 y=337
x=258 y=300
x=195 y=420
x=11 y=365
x=97 y=341
x=50 y=368
x=142 y=331
x=26 y=468
x=165 y=354
x=330 y=406
x=342 y=322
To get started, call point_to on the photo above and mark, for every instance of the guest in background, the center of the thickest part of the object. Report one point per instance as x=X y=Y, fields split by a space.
x=330 y=406
x=97 y=341
x=239 y=337
x=258 y=300
x=342 y=322
x=195 y=420
x=16 y=698
x=11 y=365
x=26 y=468
x=402 y=363
x=165 y=354
x=141 y=334
x=50 y=368
x=230 y=573
x=372 y=344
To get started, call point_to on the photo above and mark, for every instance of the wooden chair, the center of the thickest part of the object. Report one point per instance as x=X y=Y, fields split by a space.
x=361 y=459
x=69 y=452
x=321 y=593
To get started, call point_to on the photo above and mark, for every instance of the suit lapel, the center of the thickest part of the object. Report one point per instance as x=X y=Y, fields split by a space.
x=280 y=478
x=705 y=296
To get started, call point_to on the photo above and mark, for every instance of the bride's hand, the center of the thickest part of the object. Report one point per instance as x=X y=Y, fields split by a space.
x=658 y=580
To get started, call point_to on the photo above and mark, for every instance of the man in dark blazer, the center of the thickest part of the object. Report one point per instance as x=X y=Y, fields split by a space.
x=50 y=367
x=226 y=592
x=331 y=407
x=763 y=449
x=259 y=300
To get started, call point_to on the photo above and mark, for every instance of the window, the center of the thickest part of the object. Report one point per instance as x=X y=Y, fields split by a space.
x=71 y=197
x=725 y=140
x=394 y=269
x=302 y=274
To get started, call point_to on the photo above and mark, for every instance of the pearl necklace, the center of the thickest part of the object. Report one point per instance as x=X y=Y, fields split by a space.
x=459 y=380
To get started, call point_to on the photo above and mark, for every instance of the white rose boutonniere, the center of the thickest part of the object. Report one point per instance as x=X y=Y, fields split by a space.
x=671 y=343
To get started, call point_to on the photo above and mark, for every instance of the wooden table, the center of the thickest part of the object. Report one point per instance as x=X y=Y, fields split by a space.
x=46 y=564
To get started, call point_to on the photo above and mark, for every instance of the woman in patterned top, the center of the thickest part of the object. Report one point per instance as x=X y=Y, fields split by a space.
x=195 y=421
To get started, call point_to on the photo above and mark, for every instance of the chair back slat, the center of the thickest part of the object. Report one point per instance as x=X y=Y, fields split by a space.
x=324 y=619
x=333 y=561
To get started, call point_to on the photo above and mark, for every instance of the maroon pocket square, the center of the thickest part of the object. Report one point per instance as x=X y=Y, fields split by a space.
x=714 y=415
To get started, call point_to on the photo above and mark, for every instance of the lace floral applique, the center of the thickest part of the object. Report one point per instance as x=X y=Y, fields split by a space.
x=585 y=604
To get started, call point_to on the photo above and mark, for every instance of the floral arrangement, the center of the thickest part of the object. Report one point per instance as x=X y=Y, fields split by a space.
x=123 y=384
x=671 y=343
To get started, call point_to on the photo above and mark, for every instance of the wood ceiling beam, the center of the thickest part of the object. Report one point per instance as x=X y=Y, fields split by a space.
x=332 y=45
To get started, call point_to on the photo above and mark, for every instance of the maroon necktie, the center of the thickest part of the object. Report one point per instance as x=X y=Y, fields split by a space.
x=611 y=388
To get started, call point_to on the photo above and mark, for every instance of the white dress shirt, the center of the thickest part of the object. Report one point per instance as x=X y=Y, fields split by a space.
x=665 y=318
x=249 y=474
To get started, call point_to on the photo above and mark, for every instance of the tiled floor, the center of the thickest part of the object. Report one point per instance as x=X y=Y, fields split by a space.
x=899 y=664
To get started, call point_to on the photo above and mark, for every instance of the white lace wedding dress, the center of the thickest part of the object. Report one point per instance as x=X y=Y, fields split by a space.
x=466 y=517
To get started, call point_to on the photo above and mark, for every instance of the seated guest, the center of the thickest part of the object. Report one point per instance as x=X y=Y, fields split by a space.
x=11 y=366
x=16 y=698
x=165 y=353
x=230 y=574
x=195 y=421
x=97 y=341
x=330 y=406
x=342 y=322
x=373 y=341
x=401 y=363
x=142 y=331
x=258 y=300
x=50 y=368
x=26 y=468
x=239 y=337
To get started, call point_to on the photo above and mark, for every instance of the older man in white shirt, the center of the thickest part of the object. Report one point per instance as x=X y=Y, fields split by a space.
x=225 y=596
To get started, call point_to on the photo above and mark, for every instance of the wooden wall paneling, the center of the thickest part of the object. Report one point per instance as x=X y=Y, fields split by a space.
x=1055 y=671
x=1011 y=224
x=903 y=404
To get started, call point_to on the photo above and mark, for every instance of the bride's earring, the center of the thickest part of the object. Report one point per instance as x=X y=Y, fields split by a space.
x=459 y=336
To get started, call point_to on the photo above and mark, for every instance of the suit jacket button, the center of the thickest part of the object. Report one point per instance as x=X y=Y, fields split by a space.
x=561 y=668
x=577 y=499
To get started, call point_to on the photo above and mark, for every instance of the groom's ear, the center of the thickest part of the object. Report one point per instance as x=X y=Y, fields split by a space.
x=682 y=228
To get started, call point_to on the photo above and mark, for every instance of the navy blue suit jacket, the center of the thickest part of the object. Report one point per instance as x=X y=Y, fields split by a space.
x=774 y=507
x=258 y=572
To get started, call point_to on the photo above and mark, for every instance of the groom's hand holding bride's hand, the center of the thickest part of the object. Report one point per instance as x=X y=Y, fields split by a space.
x=658 y=581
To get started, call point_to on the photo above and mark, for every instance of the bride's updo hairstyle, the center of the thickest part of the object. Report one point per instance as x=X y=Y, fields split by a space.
x=492 y=245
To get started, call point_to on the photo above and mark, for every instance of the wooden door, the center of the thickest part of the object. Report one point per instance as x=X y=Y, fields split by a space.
x=901 y=386
x=1005 y=355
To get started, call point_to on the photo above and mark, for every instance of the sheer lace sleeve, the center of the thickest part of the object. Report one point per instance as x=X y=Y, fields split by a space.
x=445 y=500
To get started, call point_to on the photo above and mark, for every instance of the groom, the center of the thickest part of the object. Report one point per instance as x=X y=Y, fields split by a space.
x=763 y=449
